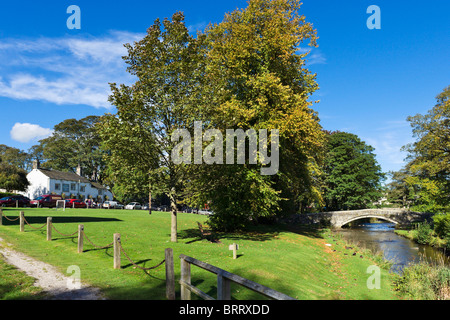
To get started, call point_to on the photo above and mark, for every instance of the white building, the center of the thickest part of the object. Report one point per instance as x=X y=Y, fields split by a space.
x=71 y=185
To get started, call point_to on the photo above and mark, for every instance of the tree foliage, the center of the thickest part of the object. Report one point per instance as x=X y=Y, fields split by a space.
x=244 y=73
x=352 y=175
x=13 y=178
x=399 y=191
x=168 y=66
x=15 y=157
x=74 y=143
x=429 y=156
x=257 y=79
x=13 y=163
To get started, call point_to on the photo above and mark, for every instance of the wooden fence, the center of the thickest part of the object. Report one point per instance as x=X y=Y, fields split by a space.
x=224 y=278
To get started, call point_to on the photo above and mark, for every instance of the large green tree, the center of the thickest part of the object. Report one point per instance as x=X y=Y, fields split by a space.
x=257 y=79
x=352 y=175
x=15 y=157
x=13 y=165
x=12 y=178
x=74 y=143
x=168 y=65
x=429 y=156
x=399 y=190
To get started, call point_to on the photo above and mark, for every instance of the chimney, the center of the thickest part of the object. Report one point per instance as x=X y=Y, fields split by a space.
x=79 y=170
x=36 y=164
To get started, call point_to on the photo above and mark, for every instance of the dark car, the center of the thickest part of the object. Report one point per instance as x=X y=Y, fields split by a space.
x=47 y=200
x=12 y=201
x=75 y=203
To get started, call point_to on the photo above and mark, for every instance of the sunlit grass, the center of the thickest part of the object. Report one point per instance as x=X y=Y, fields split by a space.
x=292 y=260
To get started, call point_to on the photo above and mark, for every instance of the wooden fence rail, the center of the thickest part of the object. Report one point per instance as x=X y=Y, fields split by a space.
x=224 y=279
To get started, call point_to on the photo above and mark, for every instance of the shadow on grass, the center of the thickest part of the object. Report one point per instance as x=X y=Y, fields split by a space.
x=40 y=220
x=153 y=290
x=238 y=292
x=254 y=233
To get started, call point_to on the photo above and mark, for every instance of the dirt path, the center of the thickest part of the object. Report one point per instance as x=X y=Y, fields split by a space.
x=54 y=283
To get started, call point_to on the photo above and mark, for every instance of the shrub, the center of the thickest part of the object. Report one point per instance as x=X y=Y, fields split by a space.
x=442 y=225
x=7 y=194
x=424 y=233
x=425 y=282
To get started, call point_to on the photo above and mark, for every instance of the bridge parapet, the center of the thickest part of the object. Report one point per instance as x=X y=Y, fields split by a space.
x=337 y=219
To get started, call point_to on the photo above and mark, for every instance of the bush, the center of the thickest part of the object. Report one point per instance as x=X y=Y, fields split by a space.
x=442 y=225
x=424 y=233
x=7 y=194
x=447 y=242
x=425 y=282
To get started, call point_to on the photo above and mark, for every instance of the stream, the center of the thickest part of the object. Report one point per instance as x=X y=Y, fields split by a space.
x=380 y=237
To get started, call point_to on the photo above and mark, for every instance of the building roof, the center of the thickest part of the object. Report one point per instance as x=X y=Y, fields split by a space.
x=70 y=176
x=60 y=175
x=98 y=185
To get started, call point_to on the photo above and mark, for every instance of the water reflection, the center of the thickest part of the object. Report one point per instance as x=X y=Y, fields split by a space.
x=380 y=237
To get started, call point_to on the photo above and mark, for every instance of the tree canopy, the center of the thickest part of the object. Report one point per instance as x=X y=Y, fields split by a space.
x=243 y=73
x=352 y=175
x=73 y=143
x=12 y=175
x=168 y=65
x=257 y=79
x=428 y=169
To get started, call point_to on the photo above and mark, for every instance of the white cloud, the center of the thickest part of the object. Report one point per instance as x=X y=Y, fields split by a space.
x=72 y=70
x=26 y=132
x=388 y=139
x=313 y=55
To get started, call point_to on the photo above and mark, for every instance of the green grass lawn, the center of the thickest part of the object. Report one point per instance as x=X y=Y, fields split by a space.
x=292 y=260
x=16 y=285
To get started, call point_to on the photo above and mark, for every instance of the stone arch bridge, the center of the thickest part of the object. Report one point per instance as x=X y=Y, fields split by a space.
x=337 y=219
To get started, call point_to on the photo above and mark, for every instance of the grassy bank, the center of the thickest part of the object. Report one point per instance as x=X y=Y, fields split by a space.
x=292 y=260
x=15 y=284
x=432 y=239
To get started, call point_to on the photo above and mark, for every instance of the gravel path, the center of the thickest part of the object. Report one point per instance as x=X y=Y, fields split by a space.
x=54 y=283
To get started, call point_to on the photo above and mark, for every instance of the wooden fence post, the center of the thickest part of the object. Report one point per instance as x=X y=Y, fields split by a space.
x=116 y=250
x=223 y=288
x=80 y=238
x=49 y=228
x=170 y=275
x=22 y=221
x=185 y=277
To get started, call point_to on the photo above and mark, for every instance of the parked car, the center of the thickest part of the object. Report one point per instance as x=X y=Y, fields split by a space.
x=46 y=200
x=133 y=206
x=12 y=201
x=112 y=205
x=119 y=206
x=109 y=204
x=75 y=203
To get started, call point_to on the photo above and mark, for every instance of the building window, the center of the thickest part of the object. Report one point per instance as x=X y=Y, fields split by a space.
x=73 y=187
x=100 y=192
x=65 y=187
x=82 y=188
x=57 y=186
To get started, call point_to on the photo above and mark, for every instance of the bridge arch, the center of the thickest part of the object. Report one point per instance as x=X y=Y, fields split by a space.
x=380 y=217
x=337 y=219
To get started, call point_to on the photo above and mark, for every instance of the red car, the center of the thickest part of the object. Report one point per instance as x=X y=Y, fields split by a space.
x=75 y=203
x=47 y=200
x=13 y=200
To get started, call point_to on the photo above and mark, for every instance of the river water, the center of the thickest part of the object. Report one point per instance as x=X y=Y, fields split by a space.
x=380 y=237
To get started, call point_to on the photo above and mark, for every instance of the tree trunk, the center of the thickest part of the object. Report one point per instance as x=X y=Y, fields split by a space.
x=173 y=206
x=149 y=199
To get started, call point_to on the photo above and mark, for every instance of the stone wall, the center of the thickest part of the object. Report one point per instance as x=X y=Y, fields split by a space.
x=339 y=218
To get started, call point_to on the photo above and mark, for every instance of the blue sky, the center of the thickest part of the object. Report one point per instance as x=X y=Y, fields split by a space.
x=370 y=80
